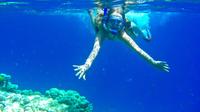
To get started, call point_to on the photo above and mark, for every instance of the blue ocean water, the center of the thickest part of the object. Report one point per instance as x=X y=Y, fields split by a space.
x=39 y=46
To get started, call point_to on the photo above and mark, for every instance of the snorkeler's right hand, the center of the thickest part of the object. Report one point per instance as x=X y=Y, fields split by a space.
x=81 y=71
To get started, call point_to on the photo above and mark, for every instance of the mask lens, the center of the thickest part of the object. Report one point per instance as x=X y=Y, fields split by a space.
x=115 y=23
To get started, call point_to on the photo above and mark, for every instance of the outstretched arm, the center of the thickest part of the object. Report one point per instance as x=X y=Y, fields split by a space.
x=95 y=50
x=81 y=69
x=129 y=41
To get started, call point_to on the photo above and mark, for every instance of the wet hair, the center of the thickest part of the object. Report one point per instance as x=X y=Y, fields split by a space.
x=117 y=10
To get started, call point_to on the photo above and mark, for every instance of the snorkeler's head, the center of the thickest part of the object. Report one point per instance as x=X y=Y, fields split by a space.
x=115 y=22
x=116 y=10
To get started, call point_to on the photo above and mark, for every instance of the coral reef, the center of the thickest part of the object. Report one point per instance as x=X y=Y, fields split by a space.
x=54 y=100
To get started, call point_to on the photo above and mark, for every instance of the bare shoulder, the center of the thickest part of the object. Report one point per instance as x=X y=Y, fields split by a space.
x=98 y=18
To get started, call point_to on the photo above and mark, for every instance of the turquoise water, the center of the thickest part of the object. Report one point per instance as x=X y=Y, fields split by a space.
x=42 y=39
x=139 y=5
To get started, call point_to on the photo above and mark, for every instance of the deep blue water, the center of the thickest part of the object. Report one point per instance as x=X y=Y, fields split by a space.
x=39 y=51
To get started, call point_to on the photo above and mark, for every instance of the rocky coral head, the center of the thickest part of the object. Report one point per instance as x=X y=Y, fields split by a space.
x=4 y=77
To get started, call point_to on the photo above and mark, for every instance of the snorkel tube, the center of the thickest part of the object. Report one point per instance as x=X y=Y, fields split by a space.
x=105 y=18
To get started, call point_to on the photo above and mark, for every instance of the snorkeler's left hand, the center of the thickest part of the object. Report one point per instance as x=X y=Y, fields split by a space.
x=162 y=65
x=81 y=71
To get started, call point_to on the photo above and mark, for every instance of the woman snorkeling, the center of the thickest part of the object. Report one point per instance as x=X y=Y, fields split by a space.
x=110 y=23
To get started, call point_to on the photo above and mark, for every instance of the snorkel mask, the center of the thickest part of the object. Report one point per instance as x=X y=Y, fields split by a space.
x=113 y=23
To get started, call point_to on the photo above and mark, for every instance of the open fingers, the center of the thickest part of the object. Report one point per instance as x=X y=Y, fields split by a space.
x=166 y=66
x=163 y=65
x=81 y=75
x=84 y=77
x=78 y=73
x=167 y=70
x=76 y=69
x=75 y=65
